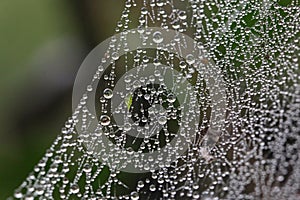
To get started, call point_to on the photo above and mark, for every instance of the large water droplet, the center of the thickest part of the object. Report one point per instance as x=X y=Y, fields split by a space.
x=104 y=120
x=108 y=93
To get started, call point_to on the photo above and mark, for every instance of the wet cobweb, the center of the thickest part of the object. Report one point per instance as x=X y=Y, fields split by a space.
x=231 y=113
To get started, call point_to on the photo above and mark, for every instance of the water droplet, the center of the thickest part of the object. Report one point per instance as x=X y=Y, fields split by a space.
x=182 y=64
x=74 y=189
x=127 y=79
x=152 y=188
x=140 y=184
x=87 y=168
x=134 y=195
x=18 y=194
x=280 y=178
x=104 y=120
x=108 y=93
x=144 y=10
x=115 y=56
x=39 y=191
x=29 y=197
x=196 y=195
x=190 y=59
x=162 y=120
x=182 y=15
x=136 y=84
x=89 y=88
x=156 y=73
x=102 y=100
x=127 y=127
x=130 y=150
x=157 y=37
x=171 y=98
x=160 y=3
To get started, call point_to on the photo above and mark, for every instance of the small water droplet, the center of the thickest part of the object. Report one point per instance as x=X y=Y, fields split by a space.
x=182 y=15
x=115 y=56
x=182 y=64
x=87 y=168
x=89 y=88
x=144 y=10
x=127 y=127
x=152 y=188
x=104 y=120
x=74 y=189
x=18 y=194
x=140 y=184
x=190 y=59
x=156 y=73
x=102 y=100
x=162 y=120
x=130 y=150
x=171 y=98
x=196 y=195
x=127 y=79
x=157 y=37
x=134 y=196
x=39 y=191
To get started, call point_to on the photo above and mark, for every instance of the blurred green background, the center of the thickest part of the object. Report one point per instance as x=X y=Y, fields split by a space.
x=42 y=44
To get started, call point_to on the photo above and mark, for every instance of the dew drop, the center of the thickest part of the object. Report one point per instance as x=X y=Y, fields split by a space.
x=108 y=93
x=134 y=196
x=87 y=168
x=127 y=79
x=182 y=64
x=127 y=127
x=157 y=37
x=104 y=120
x=196 y=195
x=115 y=56
x=182 y=15
x=171 y=98
x=162 y=120
x=190 y=59
x=152 y=188
x=89 y=88
x=159 y=3
x=18 y=194
x=156 y=73
x=140 y=184
x=74 y=189
x=39 y=191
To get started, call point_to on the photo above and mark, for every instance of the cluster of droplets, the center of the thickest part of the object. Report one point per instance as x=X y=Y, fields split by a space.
x=253 y=155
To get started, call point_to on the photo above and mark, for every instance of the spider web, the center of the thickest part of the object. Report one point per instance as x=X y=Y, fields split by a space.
x=253 y=155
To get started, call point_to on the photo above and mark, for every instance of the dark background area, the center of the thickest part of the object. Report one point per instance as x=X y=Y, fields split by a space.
x=42 y=44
